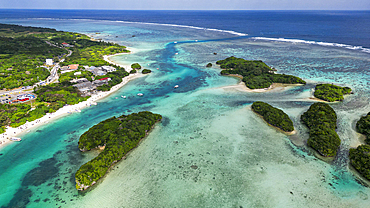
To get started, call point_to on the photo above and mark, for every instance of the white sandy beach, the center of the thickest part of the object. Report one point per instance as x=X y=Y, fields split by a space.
x=274 y=87
x=126 y=67
x=13 y=132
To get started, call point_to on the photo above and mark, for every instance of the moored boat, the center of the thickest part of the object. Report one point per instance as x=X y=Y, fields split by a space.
x=140 y=94
x=17 y=139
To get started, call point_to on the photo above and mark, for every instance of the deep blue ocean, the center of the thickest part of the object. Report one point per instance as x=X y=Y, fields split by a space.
x=210 y=150
x=342 y=27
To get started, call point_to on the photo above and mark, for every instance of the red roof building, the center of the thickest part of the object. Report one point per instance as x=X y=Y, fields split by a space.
x=73 y=66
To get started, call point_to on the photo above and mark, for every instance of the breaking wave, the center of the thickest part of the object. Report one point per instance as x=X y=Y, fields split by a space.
x=360 y=48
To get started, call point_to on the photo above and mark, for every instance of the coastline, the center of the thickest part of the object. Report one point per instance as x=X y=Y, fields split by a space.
x=14 y=132
x=126 y=67
x=273 y=87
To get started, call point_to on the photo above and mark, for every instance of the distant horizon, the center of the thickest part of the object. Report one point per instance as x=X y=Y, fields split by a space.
x=91 y=9
x=202 y=5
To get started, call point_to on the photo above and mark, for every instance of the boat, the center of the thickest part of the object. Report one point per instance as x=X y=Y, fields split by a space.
x=116 y=97
x=17 y=139
x=176 y=86
x=140 y=94
x=174 y=42
x=93 y=103
x=176 y=53
x=124 y=96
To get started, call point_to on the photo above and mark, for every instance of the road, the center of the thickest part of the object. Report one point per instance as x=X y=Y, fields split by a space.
x=52 y=78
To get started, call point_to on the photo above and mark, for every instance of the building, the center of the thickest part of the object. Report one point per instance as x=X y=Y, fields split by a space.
x=49 y=62
x=81 y=80
x=97 y=71
x=85 y=87
x=105 y=78
x=108 y=68
x=77 y=73
x=101 y=82
x=66 y=45
x=64 y=68
x=73 y=66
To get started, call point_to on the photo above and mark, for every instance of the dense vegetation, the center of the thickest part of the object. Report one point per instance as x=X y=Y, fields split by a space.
x=133 y=71
x=116 y=78
x=119 y=136
x=330 y=92
x=273 y=116
x=135 y=66
x=86 y=51
x=59 y=94
x=360 y=159
x=70 y=75
x=146 y=71
x=24 y=49
x=256 y=74
x=17 y=115
x=363 y=127
x=21 y=52
x=321 y=121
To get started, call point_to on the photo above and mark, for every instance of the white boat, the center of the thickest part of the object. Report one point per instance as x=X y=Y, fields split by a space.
x=16 y=139
x=174 y=42
x=93 y=103
x=140 y=94
x=176 y=53
x=176 y=86
x=124 y=96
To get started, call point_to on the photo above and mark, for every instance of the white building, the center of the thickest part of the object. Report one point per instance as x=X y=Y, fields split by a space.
x=49 y=62
x=108 y=68
x=77 y=73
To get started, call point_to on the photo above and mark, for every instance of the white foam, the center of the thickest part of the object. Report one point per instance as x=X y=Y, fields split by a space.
x=360 y=48
x=151 y=23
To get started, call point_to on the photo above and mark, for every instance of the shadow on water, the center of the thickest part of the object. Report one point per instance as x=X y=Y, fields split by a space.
x=45 y=171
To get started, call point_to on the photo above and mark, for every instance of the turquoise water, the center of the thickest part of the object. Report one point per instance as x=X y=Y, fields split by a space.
x=210 y=150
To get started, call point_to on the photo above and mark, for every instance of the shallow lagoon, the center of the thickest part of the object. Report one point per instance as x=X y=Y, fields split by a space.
x=210 y=149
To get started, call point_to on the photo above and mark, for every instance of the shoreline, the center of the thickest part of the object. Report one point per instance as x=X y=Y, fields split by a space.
x=126 y=67
x=14 y=132
x=273 y=87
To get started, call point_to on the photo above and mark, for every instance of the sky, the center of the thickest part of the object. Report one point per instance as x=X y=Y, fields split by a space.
x=189 y=4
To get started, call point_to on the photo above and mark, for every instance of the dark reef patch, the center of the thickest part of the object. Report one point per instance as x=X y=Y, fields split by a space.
x=47 y=169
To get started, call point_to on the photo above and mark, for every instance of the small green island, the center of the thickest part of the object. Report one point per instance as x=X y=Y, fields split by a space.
x=321 y=121
x=256 y=74
x=360 y=157
x=330 y=92
x=146 y=71
x=363 y=127
x=273 y=116
x=118 y=135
